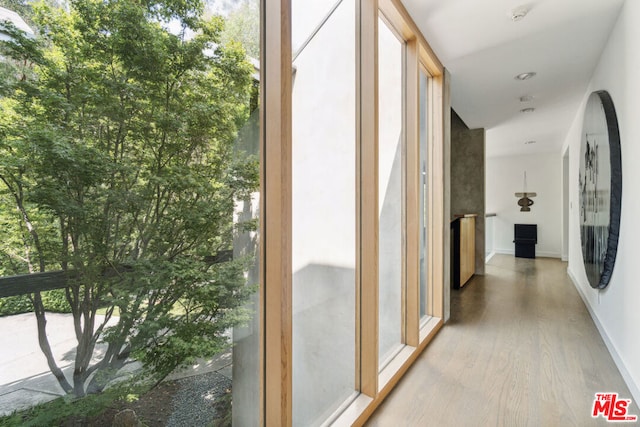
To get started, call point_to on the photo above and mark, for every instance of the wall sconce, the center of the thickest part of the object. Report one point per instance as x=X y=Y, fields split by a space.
x=525 y=201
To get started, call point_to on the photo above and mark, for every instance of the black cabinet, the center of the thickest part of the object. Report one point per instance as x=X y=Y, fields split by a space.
x=525 y=236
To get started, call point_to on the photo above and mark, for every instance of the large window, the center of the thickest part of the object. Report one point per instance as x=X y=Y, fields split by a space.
x=423 y=207
x=344 y=197
x=390 y=190
x=129 y=212
x=238 y=202
x=324 y=212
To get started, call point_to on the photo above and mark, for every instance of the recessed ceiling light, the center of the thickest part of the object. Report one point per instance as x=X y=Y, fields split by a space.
x=518 y=13
x=528 y=110
x=526 y=98
x=525 y=76
x=529 y=142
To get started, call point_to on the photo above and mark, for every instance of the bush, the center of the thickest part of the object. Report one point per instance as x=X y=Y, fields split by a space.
x=68 y=411
x=54 y=301
x=15 y=305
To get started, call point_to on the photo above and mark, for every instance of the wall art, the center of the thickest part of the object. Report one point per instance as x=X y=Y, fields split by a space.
x=600 y=183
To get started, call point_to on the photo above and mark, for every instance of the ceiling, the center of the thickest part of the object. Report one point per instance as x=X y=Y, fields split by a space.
x=483 y=49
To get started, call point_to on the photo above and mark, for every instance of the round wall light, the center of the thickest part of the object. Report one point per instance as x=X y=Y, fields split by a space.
x=525 y=76
x=518 y=13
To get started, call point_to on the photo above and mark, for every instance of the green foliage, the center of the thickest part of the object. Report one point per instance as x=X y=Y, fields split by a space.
x=117 y=164
x=54 y=301
x=21 y=7
x=61 y=411
x=15 y=305
x=243 y=26
x=223 y=406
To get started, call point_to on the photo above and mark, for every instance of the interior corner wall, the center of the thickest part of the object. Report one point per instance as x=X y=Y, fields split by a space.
x=468 y=180
x=615 y=309
x=505 y=177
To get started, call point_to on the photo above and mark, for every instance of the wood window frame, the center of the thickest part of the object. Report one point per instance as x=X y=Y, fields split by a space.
x=407 y=209
x=276 y=208
x=429 y=303
x=276 y=213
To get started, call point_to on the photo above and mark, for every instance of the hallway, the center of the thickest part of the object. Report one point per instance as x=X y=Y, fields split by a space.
x=520 y=349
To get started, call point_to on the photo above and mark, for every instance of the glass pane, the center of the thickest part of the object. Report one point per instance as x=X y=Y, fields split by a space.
x=128 y=213
x=307 y=17
x=243 y=26
x=324 y=203
x=423 y=194
x=390 y=188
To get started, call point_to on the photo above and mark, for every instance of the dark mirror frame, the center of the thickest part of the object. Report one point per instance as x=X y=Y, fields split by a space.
x=598 y=265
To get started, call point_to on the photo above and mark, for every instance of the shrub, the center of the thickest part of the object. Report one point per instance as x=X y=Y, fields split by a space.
x=15 y=305
x=54 y=301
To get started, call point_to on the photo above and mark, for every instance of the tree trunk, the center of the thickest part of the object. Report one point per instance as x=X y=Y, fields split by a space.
x=84 y=353
x=108 y=372
x=38 y=307
x=43 y=341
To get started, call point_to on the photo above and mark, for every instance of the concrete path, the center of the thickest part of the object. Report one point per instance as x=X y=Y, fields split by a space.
x=25 y=379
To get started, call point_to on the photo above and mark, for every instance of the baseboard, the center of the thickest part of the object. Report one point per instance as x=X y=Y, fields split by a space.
x=504 y=251
x=633 y=387
x=488 y=257
x=543 y=254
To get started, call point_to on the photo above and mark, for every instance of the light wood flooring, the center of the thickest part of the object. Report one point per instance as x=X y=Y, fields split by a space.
x=520 y=350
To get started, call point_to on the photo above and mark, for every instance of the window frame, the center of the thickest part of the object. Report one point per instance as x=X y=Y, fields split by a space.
x=405 y=138
x=422 y=70
x=276 y=272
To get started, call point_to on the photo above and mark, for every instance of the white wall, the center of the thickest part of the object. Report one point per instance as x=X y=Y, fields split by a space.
x=504 y=177
x=615 y=309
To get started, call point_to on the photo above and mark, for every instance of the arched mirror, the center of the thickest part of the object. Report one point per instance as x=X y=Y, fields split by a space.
x=600 y=188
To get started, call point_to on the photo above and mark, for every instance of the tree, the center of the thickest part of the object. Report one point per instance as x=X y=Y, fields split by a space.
x=21 y=7
x=243 y=26
x=117 y=167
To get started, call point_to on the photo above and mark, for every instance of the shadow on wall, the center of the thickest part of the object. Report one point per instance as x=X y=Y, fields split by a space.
x=390 y=253
x=323 y=340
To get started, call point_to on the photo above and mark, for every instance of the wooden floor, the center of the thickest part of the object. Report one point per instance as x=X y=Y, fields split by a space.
x=520 y=350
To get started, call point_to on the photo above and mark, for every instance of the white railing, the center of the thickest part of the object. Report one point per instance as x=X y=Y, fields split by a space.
x=489 y=235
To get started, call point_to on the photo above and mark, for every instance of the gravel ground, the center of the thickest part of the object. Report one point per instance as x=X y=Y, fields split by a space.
x=194 y=403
